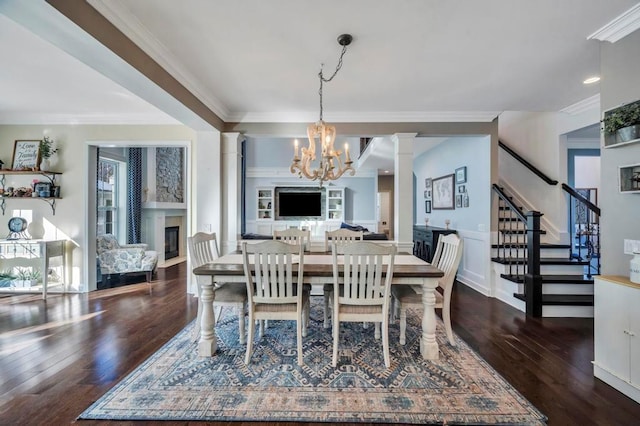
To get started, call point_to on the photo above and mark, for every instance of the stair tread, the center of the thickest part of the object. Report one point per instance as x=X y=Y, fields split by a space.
x=518 y=231
x=524 y=245
x=563 y=299
x=543 y=261
x=553 y=278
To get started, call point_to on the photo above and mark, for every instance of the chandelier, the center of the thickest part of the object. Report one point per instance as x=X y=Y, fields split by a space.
x=330 y=166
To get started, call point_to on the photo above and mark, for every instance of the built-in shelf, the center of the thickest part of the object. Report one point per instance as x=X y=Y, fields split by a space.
x=49 y=175
x=629 y=179
x=621 y=114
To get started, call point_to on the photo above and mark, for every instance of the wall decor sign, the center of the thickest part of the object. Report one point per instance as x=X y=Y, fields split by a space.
x=427 y=183
x=26 y=155
x=458 y=201
x=443 y=193
x=461 y=189
x=427 y=194
x=461 y=175
x=427 y=207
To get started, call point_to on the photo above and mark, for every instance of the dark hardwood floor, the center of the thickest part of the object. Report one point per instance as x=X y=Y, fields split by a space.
x=58 y=356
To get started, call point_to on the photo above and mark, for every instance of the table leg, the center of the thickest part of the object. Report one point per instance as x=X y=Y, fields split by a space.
x=45 y=269
x=428 y=343
x=207 y=345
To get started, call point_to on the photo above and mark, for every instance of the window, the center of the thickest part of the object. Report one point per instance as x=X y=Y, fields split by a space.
x=107 y=196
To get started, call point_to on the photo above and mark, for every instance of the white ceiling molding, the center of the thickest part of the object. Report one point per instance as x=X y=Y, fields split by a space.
x=118 y=14
x=86 y=119
x=583 y=105
x=367 y=117
x=282 y=172
x=619 y=27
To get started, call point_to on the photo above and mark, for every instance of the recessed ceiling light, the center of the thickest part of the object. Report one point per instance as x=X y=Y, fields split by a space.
x=591 y=80
x=386 y=171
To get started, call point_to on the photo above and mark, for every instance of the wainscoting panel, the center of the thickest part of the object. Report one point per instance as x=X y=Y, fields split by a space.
x=475 y=266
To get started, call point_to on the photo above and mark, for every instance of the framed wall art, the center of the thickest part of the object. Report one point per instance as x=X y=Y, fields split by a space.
x=427 y=183
x=427 y=206
x=461 y=175
x=459 y=201
x=26 y=155
x=443 y=193
x=427 y=194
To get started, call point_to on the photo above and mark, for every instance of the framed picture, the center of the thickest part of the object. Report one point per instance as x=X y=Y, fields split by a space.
x=26 y=155
x=461 y=175
x=43 y=189
x=458 y=201
x=443 y=192
x=461 y=189
x=427 y=206
x=427 y=194
x=427 y=183
x=465 y=200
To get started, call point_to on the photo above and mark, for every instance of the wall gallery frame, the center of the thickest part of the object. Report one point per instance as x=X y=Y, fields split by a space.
x=427 y=183
x=26 y=155
x=427 y=206
x=443 y=192
x=461 y=175
x=427 y=194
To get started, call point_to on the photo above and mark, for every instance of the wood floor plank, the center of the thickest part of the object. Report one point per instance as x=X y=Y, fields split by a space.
x=59 y=356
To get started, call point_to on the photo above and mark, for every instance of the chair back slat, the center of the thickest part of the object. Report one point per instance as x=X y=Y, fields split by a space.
x=340 y=237
x=447 y=259
x=269 y=267
x=293 y=236
x=202 y=248
x=366 y=280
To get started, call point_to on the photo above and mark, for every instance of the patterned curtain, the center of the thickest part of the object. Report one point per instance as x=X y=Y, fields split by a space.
x=134 y=197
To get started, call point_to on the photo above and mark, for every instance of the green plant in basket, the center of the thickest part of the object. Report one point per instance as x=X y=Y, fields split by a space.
x=625 y=116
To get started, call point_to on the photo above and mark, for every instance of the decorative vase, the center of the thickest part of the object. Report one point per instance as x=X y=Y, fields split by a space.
x=36 y=230
x=45 y=164
x=634 y=268
x=629 y=133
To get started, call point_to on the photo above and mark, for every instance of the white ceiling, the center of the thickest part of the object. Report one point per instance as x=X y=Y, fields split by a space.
x=256 y=60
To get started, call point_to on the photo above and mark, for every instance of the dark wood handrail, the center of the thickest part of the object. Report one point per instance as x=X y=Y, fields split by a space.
x=579 y=197
x=527 y=164
x=507 y=200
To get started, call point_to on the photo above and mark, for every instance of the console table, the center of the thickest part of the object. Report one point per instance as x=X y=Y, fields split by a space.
x=21 y=252
x=425 y=239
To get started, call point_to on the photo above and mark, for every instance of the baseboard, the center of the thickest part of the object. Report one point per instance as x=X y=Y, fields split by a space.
x=173 y=261
x=616 y=382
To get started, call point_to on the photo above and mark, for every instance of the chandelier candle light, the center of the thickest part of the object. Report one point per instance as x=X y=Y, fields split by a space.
x=331 y=166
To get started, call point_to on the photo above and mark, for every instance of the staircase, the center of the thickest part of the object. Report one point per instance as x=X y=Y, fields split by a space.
x=541 y=278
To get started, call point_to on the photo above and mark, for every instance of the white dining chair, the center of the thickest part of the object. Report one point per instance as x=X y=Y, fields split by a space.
x=294 y=236
x=332 y=239
x=203 y=248
x=446 y=258
x=362 y=291
x=275 y=293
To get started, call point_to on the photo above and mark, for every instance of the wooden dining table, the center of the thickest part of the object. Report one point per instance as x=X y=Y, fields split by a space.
x=318 y=269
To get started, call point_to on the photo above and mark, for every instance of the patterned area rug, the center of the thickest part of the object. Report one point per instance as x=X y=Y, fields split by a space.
x=175 y=384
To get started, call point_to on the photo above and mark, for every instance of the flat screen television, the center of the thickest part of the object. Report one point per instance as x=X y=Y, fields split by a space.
x=299 y=204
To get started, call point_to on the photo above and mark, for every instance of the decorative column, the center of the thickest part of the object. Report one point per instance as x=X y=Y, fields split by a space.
x=403 y=190
x=231 y=191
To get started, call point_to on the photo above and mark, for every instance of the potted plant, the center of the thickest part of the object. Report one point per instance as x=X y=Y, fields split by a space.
x=26 y=277
x=46 y=151
x=623 y=122
x=6 y=278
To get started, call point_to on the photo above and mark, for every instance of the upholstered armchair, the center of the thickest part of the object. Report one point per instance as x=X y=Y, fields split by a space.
x=115 y=258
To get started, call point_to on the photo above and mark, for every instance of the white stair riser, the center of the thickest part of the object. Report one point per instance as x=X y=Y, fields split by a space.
x=547 y=269
x=560 y=288
x=567 y=311
x=554 y=253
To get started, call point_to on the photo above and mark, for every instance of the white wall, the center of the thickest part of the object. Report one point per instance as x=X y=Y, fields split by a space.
x=620 y=62
x=472 y=223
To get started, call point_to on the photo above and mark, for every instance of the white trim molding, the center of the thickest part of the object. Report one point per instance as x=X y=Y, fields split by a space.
x=583 y=105
x=619 y=27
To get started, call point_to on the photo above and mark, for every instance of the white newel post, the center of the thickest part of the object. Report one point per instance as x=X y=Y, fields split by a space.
x=403 y=190
x=231 y=190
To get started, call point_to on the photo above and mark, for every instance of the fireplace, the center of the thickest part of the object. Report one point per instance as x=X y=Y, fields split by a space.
x=171 y=242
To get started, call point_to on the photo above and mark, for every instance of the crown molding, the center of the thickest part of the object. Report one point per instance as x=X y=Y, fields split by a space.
x=284 y=172
x=619 y=27
x=86 y=119
x=365 y=117
x=583 y=105
x=120 y=16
